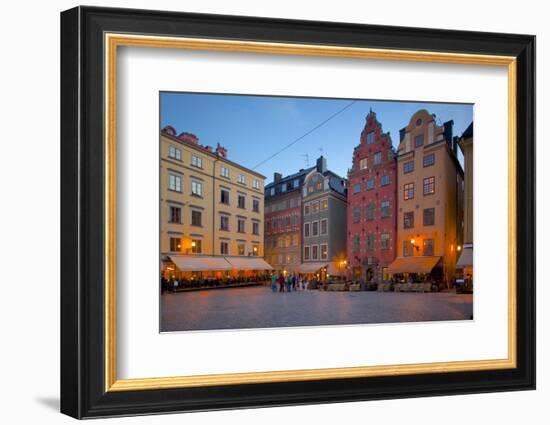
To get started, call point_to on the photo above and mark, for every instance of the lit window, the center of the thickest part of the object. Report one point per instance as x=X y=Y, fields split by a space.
x=363 y=164
x=314 y=207
x=175 y=244
x=429 y=185
x=324 y=204
x=196 y=246
x=408 y=191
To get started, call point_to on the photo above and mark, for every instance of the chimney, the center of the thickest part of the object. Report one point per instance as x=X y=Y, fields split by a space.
x=277 y=177
x=221 y=151
x=448 y=132
x=321 y=164
x=189 y=137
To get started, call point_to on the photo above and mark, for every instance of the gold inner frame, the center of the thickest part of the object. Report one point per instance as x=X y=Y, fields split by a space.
x=113 y=41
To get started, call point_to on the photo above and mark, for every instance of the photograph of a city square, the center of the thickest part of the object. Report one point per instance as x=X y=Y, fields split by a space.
x=301 y=211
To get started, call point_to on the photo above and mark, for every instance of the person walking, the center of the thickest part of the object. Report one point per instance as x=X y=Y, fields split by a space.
x=294 y=282
x=288 y=282
x=300 y=287
x=281 y=283
x=273 y=282
x=306 y=283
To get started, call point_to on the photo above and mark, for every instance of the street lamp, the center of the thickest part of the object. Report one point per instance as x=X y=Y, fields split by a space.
x=413 y=244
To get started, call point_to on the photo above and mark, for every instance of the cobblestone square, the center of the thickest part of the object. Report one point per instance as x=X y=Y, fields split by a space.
x=258 y=307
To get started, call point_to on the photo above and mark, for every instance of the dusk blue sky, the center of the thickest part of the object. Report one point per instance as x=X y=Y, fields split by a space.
x=253 y=128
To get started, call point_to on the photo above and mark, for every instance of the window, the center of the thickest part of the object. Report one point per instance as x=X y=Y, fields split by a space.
x=429 y=216
x=224 y=248
x=384 y=241
x=370 y=184
x=356 y=243
x=306 y=230
x=314 y=252
x=314 y=207
x=295 y=239
x=196 y=188
x=175 y=215
x=175 y=244
x=385 y=209
x=287 y=221
x=306 y=209
x=196 y=218
x=419 y=122
x=196 y=161
x=429 y=185
x=241 y=179
x=224 y=196
x=356 y=214
x=174 y=183
x=407 y=248
x=315 y=228
x=419 y=140
x=241 y=201
x=369 y=213
x=272 y=191
x=196 y=246
x=255 y=250
x=319 y=185
x=408 y=167
x=306 y=253
x=370 y=138
x=408 y=191
x=240 y=225
x=378 y=158
x=370 y=242
x=256 y=184
x=224 y=172
x=408 y=220
x=255 y=205
x=384 y=180
x=240 y=249
x=174 y=153
x=255 y=228
x=324 y=251
x=357 y=188
x=428 y=160
x=295 y=219
x=363 y=164
x=296 y=183
x=224 y=222
x=283 y=188
x=324 y=204
x=324 y=226
x=428 y=247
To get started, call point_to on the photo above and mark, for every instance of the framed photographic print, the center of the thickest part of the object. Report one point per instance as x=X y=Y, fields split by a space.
x=261 y=212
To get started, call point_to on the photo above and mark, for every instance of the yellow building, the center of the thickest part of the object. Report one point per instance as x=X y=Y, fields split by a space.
x=211 y=211
x=465 y=261
x=429 y=201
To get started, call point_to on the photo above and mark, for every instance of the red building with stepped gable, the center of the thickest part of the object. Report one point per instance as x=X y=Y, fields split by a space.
x=372 y=206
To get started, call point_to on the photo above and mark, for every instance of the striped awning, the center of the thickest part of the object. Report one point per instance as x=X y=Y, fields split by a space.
x=248 y=263
x=200 y=263
x=466 y=257
x=413 y=264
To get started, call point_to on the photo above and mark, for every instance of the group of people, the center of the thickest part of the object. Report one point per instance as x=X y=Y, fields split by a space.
x=289 y=283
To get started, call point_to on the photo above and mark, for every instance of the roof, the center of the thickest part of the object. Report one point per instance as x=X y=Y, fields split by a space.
x=469 y=132
x=290 y=177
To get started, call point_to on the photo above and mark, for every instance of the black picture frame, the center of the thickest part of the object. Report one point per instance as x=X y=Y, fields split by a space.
x=83 y=392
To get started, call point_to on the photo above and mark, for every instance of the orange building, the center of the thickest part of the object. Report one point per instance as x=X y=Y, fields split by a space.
x=430 y=196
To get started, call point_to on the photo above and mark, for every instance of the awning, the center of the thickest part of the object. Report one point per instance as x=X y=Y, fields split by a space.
x=466 y=258
x=311 y=267
x=413 y=264
x=248 y=263
x=199 y=263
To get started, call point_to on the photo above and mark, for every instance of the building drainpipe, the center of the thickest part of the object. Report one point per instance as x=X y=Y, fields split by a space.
x=214 y=208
